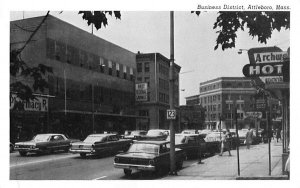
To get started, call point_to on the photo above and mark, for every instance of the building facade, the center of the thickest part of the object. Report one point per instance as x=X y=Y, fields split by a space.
x=192 y=100
x=153 y=69
x=90 y=90
x=221 y=96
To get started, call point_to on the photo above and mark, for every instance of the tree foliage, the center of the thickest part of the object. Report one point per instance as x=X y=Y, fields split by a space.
x=98 y=18
x=20 y=69
x=260 y=25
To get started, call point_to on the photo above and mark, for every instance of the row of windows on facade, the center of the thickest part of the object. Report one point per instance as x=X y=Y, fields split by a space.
x=224 y=85
x=161 y=68
x=80 y=91
x=162 y=83
x=213 y=98
x=240 y=106
x=65 y=53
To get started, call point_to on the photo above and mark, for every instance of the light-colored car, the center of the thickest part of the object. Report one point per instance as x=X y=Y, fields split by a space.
x=44 y=143
x=156 y=134
x=99 y=144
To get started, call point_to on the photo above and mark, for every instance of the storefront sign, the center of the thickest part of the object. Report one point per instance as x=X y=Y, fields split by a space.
x=39 y=104
x=253 y=114
x=141 y=92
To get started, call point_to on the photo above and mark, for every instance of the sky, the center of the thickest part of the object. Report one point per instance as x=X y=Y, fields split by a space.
x=195 y=38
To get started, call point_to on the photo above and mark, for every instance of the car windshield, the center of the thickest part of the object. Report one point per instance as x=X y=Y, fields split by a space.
x=143 y=148
x=137 y=133
x=154 y=133
x=94 y=138
x=179 y=139
x=41 y=138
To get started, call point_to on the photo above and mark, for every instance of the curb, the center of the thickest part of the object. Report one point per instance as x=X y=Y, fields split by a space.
x=281 y=177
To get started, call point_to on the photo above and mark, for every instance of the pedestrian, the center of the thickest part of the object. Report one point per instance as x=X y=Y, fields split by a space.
x=249 y=136
x=278 y=135
x=225 y=142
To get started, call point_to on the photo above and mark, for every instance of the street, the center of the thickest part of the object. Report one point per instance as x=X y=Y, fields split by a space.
x=66 y=166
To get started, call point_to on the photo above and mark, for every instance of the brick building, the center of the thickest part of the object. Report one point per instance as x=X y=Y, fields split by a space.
x=221 y=96
x=92 y=85
x=192 y=100
x=153 y=69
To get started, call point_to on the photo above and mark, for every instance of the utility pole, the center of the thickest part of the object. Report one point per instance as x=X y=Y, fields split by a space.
x=171 y=94
x=238 y=141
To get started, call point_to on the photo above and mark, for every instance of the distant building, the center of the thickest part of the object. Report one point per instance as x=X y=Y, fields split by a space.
x=192 y=100
x=91 y=88
x=192 y=117
x=221 y=96
x=153 y=70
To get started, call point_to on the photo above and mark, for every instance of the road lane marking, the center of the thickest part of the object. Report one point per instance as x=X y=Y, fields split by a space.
x=40 y=161
x=100 y=178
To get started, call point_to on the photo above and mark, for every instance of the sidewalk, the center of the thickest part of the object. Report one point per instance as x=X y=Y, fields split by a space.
x=254 y=165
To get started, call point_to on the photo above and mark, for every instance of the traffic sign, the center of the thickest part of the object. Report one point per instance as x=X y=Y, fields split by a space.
x=171 y=114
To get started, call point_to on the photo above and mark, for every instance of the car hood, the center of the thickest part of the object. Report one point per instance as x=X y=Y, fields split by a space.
x=137 y=155
x=27 y=143
x=82 y=143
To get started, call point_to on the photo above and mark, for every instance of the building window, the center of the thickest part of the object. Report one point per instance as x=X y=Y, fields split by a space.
x=228 y=106
x=139 y=79
x=204 y=100
x=143 y=113
x=131 y=73
x=110 y=67
x=139 y=67
x=118 y=69
x=147 y=67
x=124 y=72
x=240 y=97
x=147 y=80
x=219 y=106
x=101 y=65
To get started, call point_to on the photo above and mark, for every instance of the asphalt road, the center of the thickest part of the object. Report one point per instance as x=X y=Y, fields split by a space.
x=66 y=166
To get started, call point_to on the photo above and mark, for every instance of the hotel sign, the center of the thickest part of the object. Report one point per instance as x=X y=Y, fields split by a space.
x=141 y=92
x=39 y=104
x=268 y=64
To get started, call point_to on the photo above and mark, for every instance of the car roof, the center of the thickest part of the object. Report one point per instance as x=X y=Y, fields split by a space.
x=103 y=134
x=50 y=134
x=187 y=134
x=157 y=142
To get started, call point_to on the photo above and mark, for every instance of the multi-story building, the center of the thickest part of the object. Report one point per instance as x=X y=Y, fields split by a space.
x=92 y=85
x=192 y=100
x=221 y=96
x=153 y=69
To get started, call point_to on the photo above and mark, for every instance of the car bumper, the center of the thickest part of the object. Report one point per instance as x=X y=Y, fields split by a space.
x=27 y=149
x=135 y=167
x=91 y=151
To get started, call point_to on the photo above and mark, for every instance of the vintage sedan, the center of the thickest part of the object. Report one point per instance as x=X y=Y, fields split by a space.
x=193 y=144
x=148 y=155
x=156 y=134
x=100 y=144
x=44 y=143
x=136 y=135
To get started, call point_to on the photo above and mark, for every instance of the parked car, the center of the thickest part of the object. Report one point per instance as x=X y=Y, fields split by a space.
x=148 y=155
x=44 y=143
x=213 y=142
x=156 y=134
x=100 y=144
x=192 y=144
x=190 y=131
x=11 y=147
x=135 y=135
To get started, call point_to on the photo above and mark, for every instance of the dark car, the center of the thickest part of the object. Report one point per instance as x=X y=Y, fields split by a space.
x=136 y=135
x=156 y=134
x=100 y=144
x=192 y=144
x=44 y=143
x=148 y=155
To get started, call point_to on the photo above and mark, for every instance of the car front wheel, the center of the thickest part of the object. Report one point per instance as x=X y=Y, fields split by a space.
x=83 y=155
x=127 y=172
x=23 y=153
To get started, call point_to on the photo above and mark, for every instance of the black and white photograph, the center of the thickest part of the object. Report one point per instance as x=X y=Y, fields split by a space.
x=200 y=92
